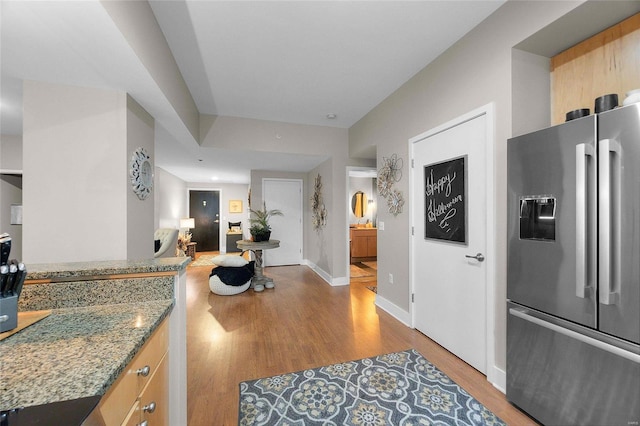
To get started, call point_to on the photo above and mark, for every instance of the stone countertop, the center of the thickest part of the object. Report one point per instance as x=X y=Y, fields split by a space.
x=74 y=352
x=62 y=271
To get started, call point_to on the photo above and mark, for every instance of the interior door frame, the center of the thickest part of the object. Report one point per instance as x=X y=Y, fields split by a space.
x=347 y=240
x=490 y=225
x=299 y=181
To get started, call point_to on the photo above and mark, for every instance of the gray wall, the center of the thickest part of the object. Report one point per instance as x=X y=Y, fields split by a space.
x=319 y=244
x=140 y=213
x=10 y=153
x=474 y=72
x=270 y=136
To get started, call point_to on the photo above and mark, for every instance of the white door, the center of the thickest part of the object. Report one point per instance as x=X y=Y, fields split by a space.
x=284 y=195
x=449 y=286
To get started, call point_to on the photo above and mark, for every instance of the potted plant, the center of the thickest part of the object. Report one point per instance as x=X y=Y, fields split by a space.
x=260 y=229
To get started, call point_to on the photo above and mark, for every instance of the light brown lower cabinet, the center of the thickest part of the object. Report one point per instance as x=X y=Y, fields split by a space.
x=140 y=395
x=364 y=243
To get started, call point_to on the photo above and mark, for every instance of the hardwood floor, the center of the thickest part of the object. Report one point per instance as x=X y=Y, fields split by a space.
x=302 y=323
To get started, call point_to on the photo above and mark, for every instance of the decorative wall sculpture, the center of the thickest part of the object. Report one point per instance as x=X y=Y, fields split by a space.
x=395 y=202
x=389 y=174
x=319 y=217
x=141 y=173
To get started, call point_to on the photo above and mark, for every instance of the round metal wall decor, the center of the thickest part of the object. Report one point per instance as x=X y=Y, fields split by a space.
x=141 y=173
x=389 y=174
x=395 y=201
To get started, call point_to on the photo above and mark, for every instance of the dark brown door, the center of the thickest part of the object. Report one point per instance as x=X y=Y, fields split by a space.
x=204 y=207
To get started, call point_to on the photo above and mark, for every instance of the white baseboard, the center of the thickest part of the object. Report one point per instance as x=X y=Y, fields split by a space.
x=393 y=310
x=325 y=275
x=339 y=281
x=498 y=379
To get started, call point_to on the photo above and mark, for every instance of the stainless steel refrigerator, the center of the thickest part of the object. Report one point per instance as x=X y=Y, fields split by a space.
x=573 y=277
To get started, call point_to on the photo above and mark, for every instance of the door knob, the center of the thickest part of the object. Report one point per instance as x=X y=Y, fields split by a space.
x=479 y=257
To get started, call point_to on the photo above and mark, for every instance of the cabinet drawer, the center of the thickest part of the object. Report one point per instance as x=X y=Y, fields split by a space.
x=364 y=232
x=116 y=404
x=149 y=356
x=133 y=418
x=157 y=393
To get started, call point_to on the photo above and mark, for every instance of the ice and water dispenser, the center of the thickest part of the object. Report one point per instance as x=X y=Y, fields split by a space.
x=538 y=217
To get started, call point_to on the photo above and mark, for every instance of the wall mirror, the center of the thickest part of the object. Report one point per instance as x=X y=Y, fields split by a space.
x=359 y=204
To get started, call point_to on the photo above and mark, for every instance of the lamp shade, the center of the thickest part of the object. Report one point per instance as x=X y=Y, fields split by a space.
x=188 y=223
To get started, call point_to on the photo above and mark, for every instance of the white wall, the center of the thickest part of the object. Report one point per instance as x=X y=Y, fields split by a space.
x=170 y=201
x=531 y=92
x=76 y=176
x=230 y=192
x=474 y=72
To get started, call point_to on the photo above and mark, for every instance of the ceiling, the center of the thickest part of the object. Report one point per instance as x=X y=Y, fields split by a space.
x=290 y=61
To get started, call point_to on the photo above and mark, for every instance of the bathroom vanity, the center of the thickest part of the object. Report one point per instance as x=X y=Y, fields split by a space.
x=364 y=244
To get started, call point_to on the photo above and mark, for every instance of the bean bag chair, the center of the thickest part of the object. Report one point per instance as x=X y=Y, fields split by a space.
x=232 y=275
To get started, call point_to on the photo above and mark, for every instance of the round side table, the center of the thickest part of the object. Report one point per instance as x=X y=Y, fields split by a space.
x=259 y=281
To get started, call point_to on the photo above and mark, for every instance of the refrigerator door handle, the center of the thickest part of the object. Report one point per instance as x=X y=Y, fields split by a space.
x=584 y=155
x=575 y=335
x=609 y=169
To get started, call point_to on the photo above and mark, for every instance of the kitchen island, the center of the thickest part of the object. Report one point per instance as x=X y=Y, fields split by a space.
x=102 y=313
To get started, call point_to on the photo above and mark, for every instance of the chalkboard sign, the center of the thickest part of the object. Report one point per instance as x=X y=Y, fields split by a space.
x=445 y=200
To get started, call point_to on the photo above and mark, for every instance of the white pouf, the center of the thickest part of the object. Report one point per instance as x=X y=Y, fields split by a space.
x=220 y=288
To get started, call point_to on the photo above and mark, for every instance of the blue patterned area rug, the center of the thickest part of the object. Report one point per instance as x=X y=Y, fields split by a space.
x=401 y=388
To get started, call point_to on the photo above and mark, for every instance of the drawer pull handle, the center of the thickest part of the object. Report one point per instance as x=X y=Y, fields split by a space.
x=144 y=423
x=149 y=408
x=144 y=371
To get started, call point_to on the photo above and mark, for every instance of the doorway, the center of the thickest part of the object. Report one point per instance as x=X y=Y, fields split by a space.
x=451 y=252
x=284 y=195
x=362 y=214
x=204 y=208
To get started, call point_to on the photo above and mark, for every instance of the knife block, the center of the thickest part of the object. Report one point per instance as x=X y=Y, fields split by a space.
x=8 y=313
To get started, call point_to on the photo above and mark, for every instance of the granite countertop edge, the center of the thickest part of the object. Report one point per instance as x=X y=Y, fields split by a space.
x=70 y=270
x=137 y=346
x=92 y=380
